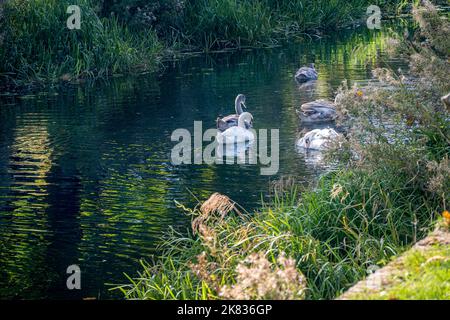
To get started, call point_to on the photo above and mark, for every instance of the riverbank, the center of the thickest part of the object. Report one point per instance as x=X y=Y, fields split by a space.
x=130 y=37
x=390 y=189
x=420 y=273
x=349 y=223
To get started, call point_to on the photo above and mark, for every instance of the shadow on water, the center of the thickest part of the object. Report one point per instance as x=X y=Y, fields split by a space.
x=85 y=171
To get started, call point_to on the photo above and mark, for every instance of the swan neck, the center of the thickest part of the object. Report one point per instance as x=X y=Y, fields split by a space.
x=238 y=106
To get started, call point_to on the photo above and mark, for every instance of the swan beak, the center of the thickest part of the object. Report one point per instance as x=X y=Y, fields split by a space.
x=243 y=104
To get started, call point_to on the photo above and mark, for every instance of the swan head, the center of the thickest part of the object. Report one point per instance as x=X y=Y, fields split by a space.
x=311 y=65
x=239 y=103
x=245 y=117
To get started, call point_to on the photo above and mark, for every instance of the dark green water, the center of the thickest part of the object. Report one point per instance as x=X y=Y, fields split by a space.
x=85 y=171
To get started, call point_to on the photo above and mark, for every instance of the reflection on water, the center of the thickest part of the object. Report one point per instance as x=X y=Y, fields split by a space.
x=85 y=172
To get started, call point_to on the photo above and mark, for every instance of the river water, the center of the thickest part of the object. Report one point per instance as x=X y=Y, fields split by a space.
x=86 y=176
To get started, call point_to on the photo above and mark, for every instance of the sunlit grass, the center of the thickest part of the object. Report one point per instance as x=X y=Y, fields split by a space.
x=421 y=274
x=229 y=23
x=37 y=46
x=333 y=238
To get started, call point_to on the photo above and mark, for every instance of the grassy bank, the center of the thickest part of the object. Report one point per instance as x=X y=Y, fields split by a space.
x=36 y=45
x=129 y=36
x=215 y=24
x=426 y=276
x=421 y=273
x=351 y=221
x=391 y=186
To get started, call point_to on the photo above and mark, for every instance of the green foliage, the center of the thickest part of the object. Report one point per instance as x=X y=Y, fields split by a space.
x=124 y=36
x=217 y=24
x=421 y=275
x=352 y=220
x=161 y=15
x=402 y=116
x=37 y=45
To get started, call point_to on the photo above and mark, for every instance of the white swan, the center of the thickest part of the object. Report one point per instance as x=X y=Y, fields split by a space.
x=318 y=139
x=232 y=119
x=240 y=152
x=239 y=133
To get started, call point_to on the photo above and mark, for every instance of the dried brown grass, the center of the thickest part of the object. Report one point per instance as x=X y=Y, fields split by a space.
x=215 y=208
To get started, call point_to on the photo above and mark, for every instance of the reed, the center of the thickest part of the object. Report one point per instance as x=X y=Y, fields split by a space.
x=218 y=24
x=37 y=46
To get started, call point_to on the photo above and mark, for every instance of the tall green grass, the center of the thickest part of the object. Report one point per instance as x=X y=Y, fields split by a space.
x=38 y=46
x=127 y=36
x=334 y=237
x=215 y=24
x=218 y=24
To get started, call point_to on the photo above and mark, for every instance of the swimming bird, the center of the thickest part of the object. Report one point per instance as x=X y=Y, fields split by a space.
x=236 y=151
x=318 y=111
x=318 y=139
x=239 y=133
x=306 y=73
x=232 y=119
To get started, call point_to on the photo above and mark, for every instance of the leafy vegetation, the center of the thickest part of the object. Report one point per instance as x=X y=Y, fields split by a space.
x=128 y=36
x=422 y=273
x=392 y=184
x=216 y=24
x=37 y=46
x=351 y=221
x=426 y=276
